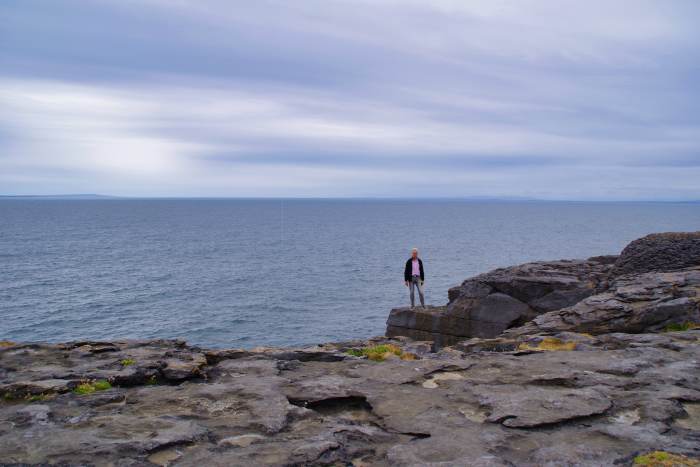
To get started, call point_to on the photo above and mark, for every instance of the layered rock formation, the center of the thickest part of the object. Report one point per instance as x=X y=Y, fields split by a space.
x=645 y=302
x=659 y=252
x=486 y=305
x=600 y=294
x=498 y=402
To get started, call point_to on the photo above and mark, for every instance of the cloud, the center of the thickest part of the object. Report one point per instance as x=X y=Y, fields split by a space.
x=351 y=98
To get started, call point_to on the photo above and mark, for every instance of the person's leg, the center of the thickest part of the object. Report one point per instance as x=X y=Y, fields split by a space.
x=420 y=292
x=410 y=286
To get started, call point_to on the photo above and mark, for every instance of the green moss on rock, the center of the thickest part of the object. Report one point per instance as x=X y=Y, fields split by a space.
x=665 y=459
x=89 y=387
x=381 y=352
x=682 y=326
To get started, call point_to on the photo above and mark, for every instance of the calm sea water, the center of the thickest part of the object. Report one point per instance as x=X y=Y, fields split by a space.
x=241 y=273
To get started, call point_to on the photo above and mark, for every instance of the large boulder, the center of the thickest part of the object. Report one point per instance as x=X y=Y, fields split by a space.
x=488 y=304
x=518 y=293
x=425 y=324
x=542 y=285
x=634 y=303
x=659 y=252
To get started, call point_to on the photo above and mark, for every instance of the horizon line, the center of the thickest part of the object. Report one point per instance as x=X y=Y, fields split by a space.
x=93 y=196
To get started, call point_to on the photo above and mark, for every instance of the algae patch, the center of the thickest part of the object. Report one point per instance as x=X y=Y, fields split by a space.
x=89 y=387
x=665 y=459
x=549 y=344
x=379 y=353
x=687 y=326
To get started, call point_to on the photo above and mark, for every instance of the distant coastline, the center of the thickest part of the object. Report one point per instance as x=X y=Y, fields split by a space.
x=70 y=196
x=483 y=199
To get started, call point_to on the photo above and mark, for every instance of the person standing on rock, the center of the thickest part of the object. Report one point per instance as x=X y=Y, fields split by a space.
x=414 y=277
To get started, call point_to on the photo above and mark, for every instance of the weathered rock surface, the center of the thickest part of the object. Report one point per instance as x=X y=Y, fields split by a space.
x=429 y=323
x=659 y=252
x=633 y=303
x=58 y=368
x=488 y=304
x=652 y=284
x=488 y=402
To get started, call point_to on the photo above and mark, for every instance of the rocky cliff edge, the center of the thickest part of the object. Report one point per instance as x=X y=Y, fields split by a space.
x=654 y=283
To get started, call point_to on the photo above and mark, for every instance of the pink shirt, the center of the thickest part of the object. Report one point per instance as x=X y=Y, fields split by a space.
x=415 y=268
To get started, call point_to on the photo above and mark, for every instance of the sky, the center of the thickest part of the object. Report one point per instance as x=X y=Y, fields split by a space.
x=565 y=99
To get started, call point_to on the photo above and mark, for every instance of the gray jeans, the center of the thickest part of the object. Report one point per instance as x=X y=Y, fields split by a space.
x=416 y=283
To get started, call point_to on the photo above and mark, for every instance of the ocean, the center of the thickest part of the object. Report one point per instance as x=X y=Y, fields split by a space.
x=245 y=273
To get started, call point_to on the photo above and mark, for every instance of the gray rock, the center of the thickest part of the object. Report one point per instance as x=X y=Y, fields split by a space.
x=488 y=304
x=634 y=303
x=528 y=407
x=612 y=397
x=425 y=324
x=635 y=292
x=177 y=369
x=58 y=368
x=16 y=389
x=659 y=252
x=533 y=281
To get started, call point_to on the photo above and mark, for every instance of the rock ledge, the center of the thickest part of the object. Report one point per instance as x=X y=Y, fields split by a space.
x=653 y=284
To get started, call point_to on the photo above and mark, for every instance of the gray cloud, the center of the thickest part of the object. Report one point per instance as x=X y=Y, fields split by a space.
x=351 y=98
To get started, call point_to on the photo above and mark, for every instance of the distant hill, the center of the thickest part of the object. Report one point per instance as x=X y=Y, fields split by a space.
x=69 y=196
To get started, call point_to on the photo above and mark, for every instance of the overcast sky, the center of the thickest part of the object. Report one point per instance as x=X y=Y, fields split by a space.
x=547 y=99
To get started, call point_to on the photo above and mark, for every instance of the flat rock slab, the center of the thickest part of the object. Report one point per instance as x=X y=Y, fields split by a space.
x=530 y=406
x=612 y=397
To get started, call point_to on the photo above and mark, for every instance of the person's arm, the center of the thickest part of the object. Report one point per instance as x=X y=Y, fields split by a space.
x=422 y=273
x=406 y=273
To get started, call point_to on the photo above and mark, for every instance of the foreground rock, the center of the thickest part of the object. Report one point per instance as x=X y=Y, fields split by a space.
x=487 y=402
x=652 y=284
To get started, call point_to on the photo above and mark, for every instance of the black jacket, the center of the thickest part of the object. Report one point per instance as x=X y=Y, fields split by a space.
x=408 y=270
